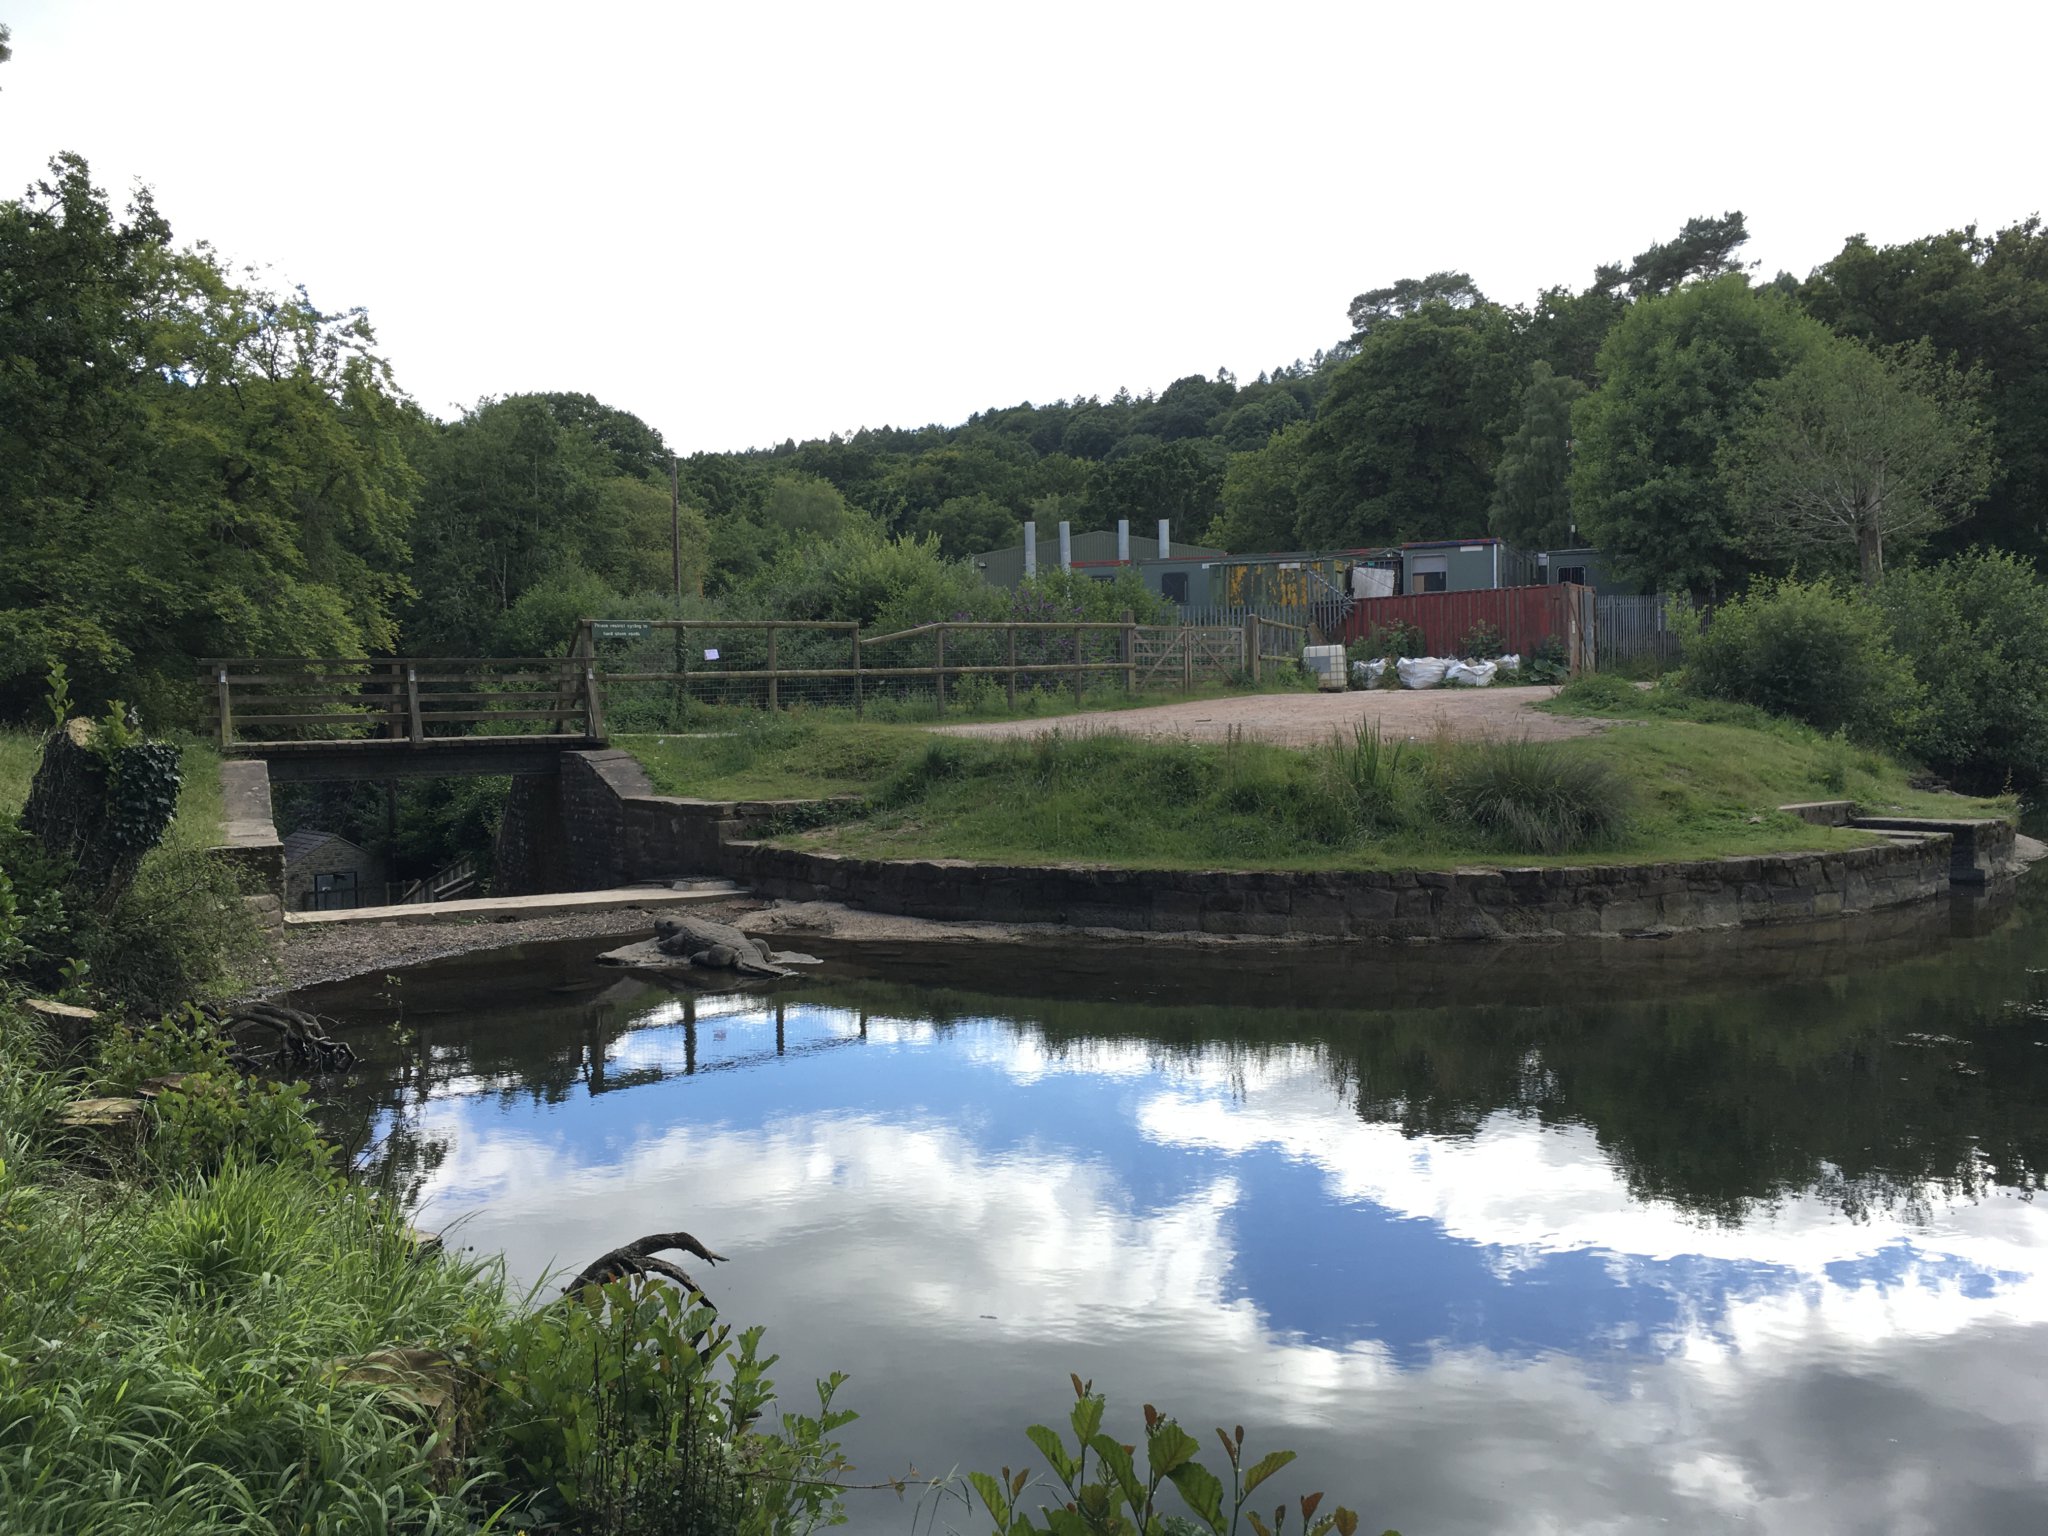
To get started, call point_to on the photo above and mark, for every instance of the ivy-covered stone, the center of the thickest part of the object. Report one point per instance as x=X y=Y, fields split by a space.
x=100 y=802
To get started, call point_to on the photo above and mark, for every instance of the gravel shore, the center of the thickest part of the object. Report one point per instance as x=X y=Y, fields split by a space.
x=332 y=952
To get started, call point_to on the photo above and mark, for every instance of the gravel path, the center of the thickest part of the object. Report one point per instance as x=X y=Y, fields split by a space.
x=332 y=952
x=1304 y=719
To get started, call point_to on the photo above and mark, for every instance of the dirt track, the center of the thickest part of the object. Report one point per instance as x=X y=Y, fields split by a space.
x=1302 y=719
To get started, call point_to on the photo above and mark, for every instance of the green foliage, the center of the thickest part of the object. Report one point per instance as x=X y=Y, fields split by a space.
x=1974 y=631
x=1852 y=453
x=1811 y=651
x=1980 y=301
x=1678 y=372
x=1399 y=638
x=1532 y=503
x=1261 y=493
x=1482 y=642
x=633 y=1409
x=212 y=1118
x=1404 y=439
x=1524 y=799
x=188 y=466
x=1100 y=1487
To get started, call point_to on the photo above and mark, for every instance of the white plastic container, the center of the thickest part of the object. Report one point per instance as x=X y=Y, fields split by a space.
x=1327 y=663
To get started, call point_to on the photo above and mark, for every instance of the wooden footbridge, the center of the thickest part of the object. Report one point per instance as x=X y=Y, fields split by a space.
x=405 y=717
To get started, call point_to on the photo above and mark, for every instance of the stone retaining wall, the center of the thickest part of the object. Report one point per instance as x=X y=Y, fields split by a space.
x=613 y=830
x=250 y=841
x=1579 y=901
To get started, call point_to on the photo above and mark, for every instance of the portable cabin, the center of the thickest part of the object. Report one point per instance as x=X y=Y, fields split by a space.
x=1585 y=567
x=1465 y=565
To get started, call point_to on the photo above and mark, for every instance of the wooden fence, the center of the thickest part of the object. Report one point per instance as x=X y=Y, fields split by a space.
x=404 y=698
x=649 y=668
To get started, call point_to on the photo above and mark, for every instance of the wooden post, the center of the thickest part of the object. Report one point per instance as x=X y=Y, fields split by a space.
x=939 y=677
x=412 y=702
x=1251 y=646
x=227 y=712
x=1079 y=675
x=593 y=704
x=391 y=705
x=1127 y=645
x=774 y=683
x=1010 y=632
x=1187 y=659
x=856 y=672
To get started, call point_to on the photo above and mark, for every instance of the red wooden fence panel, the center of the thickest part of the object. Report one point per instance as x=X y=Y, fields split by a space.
x=1523 y=615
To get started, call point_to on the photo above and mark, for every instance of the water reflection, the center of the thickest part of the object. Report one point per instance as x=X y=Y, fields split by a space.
x=1764 y=1255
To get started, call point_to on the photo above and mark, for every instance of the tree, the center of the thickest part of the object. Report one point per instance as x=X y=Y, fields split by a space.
x=1704 y=249
x=1182 y=482
x=188 y=467
x=1261 y=494
x=1850 y=450
x=967 y=525
x=1982 y=302
x=1403 y=441
x=1370 y=311
x=1677 y=374
x=1532 y=503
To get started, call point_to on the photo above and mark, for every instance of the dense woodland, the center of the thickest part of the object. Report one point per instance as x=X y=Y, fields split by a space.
x=193 y=465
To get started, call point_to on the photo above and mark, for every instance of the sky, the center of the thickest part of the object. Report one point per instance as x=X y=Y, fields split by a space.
x=747 y=222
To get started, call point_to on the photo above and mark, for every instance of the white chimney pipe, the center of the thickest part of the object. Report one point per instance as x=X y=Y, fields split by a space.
x=1030 y=550
x=1123 y=541
x=1066 y=547
x=1165 y=540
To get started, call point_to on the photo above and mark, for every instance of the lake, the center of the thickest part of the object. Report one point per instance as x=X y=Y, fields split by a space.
x=1727 y=1235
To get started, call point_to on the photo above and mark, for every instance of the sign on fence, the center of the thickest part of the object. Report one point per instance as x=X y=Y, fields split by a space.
x=619 y=629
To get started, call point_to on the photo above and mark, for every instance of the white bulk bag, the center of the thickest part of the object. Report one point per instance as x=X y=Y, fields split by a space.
x=1421 y=671
x=1471 y=674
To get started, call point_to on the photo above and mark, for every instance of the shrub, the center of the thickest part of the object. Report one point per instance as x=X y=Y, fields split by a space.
x=211 y=1119
x=1531 y=798
x=1808 y=650
x=1974 y=631
x=1399 y=638
x=1482 y=642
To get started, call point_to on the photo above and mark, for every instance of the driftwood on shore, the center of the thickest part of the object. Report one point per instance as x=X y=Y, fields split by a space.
x=639 y=1258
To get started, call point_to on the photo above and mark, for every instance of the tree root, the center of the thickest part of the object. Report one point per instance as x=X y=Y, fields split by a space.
x=302 y=1042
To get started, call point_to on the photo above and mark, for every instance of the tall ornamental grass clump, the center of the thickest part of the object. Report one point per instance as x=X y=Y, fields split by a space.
x=1524 y=797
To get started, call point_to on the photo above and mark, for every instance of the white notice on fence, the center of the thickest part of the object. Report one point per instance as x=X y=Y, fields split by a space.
x=712 y=654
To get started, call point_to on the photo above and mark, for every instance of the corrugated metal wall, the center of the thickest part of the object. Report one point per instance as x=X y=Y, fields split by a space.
x=1523 y=615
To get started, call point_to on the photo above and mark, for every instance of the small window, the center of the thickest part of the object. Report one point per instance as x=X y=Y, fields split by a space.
x=1173 y=586
x=334 y=892
x=1572 y=573
x=1431 y=581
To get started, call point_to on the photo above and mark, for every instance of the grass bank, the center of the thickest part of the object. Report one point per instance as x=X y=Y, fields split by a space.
x=208 y=1329
x=1657 y=786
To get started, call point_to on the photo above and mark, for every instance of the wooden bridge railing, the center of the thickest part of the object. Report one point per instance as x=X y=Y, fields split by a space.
x=265 y=700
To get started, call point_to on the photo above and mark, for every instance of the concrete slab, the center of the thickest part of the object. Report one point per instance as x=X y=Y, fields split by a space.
x=506 y=908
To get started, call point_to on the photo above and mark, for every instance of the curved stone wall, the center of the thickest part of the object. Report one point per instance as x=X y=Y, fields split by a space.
x=614 y=830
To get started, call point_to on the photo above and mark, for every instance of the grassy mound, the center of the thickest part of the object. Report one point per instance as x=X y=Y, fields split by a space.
x=1660 y=786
